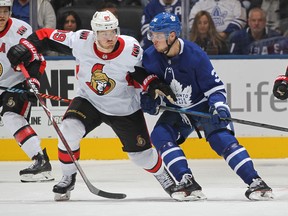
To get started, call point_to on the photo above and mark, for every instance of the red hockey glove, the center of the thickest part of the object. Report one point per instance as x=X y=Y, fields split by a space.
x=29 y=95
x=280 y=88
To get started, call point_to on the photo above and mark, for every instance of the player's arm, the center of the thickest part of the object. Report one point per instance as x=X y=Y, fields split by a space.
x=30 y=49
x=151 y=84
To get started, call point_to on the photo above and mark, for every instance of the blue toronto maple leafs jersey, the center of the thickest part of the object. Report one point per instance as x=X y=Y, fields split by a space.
x=190 y=75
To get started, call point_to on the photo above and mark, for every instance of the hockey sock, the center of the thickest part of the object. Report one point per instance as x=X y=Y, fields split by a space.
x=164 y=139
x=23 y=133
x=226 y=145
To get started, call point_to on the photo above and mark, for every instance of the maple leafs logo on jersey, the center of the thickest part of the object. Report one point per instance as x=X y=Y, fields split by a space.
x=183 y=95
x=100 y=83
x=21 y=30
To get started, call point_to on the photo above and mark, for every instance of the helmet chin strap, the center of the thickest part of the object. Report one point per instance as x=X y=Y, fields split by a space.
x=169 y=46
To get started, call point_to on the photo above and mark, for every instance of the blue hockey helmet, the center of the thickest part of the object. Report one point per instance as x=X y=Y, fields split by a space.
x=165 y=22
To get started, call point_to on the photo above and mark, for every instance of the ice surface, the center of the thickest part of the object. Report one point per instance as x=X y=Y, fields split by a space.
x=145 y=197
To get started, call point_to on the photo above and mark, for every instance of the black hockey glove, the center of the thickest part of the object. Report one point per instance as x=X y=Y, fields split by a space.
x=23 y=52
x=29 y=94
x=156 y=87
x=280 y=88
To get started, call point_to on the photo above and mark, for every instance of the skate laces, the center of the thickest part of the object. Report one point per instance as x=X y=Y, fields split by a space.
x=164 y=179
x=37 y=161
x=186 y=179
x=256 y=183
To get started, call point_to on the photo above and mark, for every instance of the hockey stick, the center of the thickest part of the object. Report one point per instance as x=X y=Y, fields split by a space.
x=207 y=115
x=51 y=97
x=93 y=189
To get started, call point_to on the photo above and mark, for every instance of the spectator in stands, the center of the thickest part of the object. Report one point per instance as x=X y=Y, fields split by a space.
x=153 y=8
x=69 y=21
x=251 y=40
x=204 y=33
x=228 y=15
x=46 y=16
x=277 y=13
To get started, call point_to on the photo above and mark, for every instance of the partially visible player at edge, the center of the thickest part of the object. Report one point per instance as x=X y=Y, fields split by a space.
x=186 y=68
x=16 y=108
x=108 y=64
x=280 y=88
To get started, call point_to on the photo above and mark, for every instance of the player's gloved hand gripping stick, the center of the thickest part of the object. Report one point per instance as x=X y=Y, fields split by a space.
x=280 y=88
x=92 y=189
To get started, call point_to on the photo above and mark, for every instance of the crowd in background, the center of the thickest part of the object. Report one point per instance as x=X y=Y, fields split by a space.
x=217 y=26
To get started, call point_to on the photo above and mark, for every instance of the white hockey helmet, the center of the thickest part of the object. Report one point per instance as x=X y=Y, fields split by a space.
x=4 y=3
x=104 y=20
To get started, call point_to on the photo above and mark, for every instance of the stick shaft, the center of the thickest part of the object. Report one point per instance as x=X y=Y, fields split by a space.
x=239 y=121
x=47 y=96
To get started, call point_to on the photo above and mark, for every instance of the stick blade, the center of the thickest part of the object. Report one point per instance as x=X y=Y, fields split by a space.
x=104 y=194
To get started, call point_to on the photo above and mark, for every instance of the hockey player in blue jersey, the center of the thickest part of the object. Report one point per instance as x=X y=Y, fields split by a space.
x=190 y=74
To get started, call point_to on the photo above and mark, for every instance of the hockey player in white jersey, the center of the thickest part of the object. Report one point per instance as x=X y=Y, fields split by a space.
x=108 y=65
x=16 y=107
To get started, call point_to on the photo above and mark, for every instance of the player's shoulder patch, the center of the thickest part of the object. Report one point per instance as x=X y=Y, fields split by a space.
x=21 y=30
x=135 y=50
x=84 y=35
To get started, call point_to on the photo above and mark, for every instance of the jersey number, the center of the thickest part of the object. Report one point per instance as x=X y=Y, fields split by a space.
x=59 y=37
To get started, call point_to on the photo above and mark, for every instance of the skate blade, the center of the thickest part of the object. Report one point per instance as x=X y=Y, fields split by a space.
x=40 y=177
x=261 y=196
x=62 y=197
x=194 y=196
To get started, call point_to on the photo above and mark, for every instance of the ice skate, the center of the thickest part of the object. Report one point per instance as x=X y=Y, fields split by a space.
x=166 y=181
x=259 y=190
x=39 y=171
x=63 y=189
x=187 y=190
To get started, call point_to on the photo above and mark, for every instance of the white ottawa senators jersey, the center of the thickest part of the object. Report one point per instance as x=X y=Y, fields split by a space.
x=103 y=78
x=10 y=36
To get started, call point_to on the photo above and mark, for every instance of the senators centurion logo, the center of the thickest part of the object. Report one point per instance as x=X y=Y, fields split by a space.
x=100 y=83
x=140 y=141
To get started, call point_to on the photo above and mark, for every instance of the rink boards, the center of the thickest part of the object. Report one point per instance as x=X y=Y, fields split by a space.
x=249 y=85
x=110 y=149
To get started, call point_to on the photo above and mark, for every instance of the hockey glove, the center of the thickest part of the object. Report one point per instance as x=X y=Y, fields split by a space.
x=29 y=94
x=23 y=52
x=156 y=87
x=280 y=88
x=219 y=112
x=148 y=104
